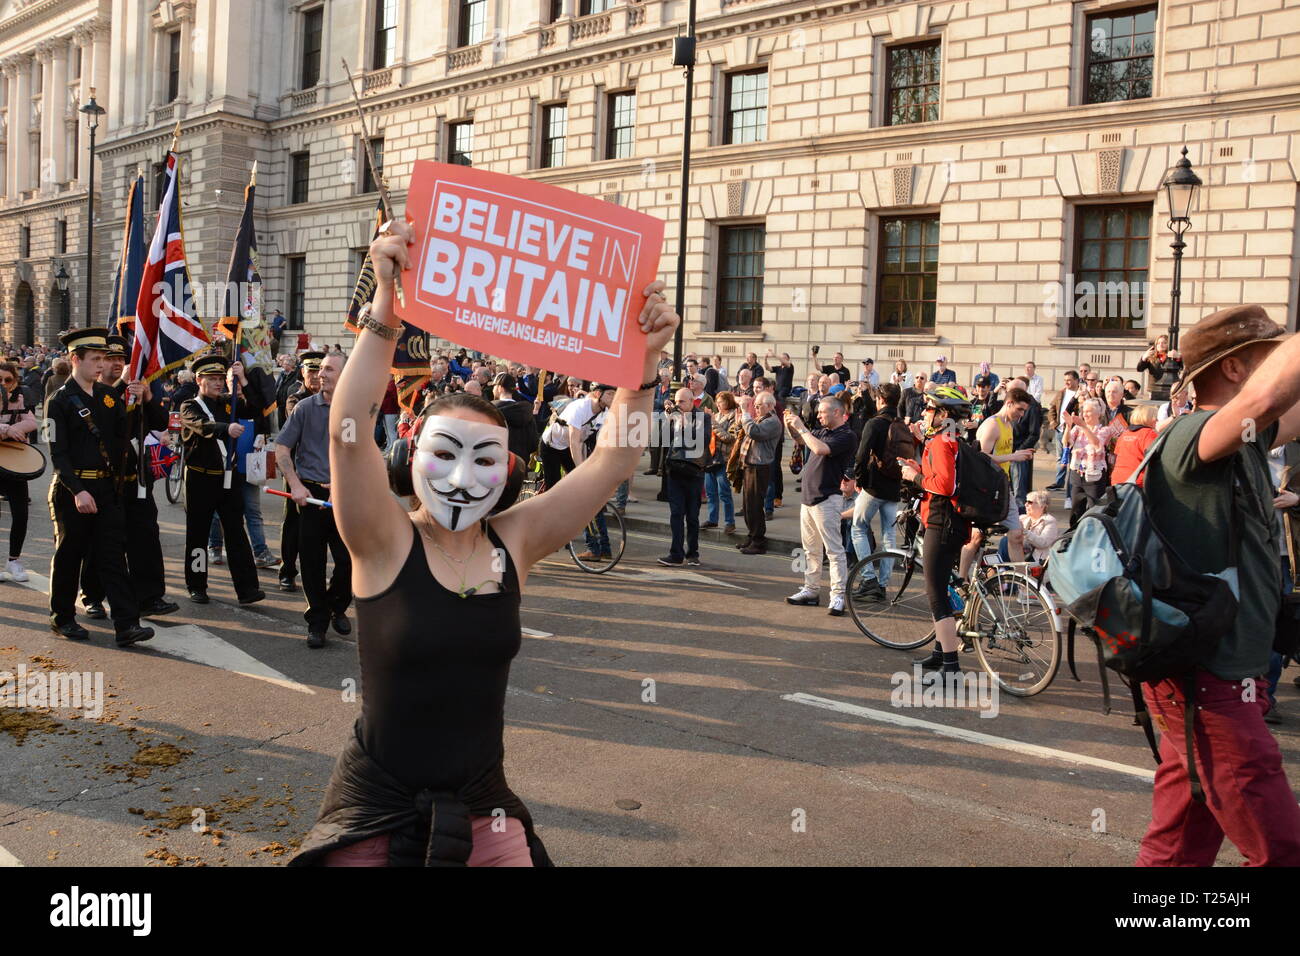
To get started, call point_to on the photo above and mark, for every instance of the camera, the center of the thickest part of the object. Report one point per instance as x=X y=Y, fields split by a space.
x=816 y=349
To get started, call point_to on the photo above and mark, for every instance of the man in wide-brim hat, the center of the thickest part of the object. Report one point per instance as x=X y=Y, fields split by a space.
x=1245 y=374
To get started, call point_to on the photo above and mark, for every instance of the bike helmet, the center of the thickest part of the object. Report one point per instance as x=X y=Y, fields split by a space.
x=952 y=398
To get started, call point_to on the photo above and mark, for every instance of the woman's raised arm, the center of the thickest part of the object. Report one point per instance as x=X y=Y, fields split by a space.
x=370 y=519
x=546 y=523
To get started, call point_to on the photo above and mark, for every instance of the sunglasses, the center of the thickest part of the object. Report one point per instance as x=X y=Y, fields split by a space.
x=7 y=380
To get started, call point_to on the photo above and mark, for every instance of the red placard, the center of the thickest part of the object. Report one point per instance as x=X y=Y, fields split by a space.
x=530 y=272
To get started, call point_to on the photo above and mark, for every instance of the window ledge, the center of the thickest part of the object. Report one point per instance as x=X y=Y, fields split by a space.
x=1098 y=341
x=897 y=338
x=756 y=335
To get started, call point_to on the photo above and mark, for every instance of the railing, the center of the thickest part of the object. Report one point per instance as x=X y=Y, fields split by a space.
x=546 y=39
x=163 y=114
x=304 y=99
x=592 y=26
x=377 y=80
x=635 y=14
x=460 y=59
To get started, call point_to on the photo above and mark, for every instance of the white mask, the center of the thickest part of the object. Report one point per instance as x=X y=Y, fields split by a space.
x=459 y=469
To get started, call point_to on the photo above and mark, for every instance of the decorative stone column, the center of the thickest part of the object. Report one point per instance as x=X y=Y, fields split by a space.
x=56 y=106
x=20 y=89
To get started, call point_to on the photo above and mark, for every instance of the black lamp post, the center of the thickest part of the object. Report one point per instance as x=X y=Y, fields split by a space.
x=684 y=55
x=61 y=282
x=93 y=112
x=1180 y=187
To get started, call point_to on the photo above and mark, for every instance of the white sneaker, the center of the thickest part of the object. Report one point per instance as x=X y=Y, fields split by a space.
x=804 y=596
x=837 y=605
x=16 y=571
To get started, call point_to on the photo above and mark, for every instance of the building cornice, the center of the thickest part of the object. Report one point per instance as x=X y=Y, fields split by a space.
x=36 y=12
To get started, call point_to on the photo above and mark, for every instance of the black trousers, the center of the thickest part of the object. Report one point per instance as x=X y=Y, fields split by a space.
x=753 y=493
x=552 y=463
x=317 y=533
x=144 y=556
x=289 y=540
x=205 y=496
x=102 y=536
x=16 y=492
x=1085 y=494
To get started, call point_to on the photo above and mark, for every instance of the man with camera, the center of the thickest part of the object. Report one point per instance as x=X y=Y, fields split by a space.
x=683 y=463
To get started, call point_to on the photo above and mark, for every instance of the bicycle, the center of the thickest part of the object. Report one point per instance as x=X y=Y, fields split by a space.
x=175 y=485
x=1007 y=615
x=535 y=484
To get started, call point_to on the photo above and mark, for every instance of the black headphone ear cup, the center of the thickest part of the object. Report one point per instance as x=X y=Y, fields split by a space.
x=399 y=468
x=514 y=484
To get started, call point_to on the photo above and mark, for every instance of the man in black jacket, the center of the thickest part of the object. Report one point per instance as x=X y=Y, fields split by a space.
x=880 y=481
x=213 y=486
x=520 y=423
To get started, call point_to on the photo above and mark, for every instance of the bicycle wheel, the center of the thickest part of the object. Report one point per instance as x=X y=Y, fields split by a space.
x=1018 y=643
x=176 y=477
x=897 y=616
x=586 y=547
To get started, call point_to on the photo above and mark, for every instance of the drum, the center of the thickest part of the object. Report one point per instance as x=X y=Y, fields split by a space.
x=21 y=461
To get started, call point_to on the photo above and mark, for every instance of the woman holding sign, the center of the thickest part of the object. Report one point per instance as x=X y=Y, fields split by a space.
x=420 y=782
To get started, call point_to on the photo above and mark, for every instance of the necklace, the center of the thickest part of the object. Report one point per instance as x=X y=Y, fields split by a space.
x=461 y=592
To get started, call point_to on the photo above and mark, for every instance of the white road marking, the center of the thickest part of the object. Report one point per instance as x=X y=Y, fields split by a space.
x=8 y=859
x=672 y=576
x=192 y=643
x=535 y=633
x=971 y=736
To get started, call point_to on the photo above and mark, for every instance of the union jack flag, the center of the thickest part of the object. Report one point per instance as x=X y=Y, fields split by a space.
x=168 y=328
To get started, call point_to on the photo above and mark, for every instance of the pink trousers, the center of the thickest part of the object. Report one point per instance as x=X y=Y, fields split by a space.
x=1248 y=798
x=499 y=847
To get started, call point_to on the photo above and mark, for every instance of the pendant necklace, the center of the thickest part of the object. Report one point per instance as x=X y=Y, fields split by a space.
x=462 y=592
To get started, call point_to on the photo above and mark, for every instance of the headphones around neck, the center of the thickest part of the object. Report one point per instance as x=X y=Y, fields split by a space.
x=401 y=453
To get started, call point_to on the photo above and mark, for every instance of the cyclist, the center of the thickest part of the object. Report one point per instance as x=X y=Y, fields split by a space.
x=941 y=427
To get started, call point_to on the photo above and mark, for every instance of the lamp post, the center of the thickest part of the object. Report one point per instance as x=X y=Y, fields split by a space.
x=93 y=112
x=684 y=55
x=61 y=282
x=1180 y=187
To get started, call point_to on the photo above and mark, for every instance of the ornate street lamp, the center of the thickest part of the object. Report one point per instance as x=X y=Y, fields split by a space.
x=61 y=283
x=684 y=56
x=93 y=112
x=1180 y=187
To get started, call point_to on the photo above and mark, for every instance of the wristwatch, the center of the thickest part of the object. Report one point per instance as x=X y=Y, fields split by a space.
x=389 y=332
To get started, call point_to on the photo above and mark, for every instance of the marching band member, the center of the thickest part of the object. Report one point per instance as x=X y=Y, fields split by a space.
x=16 y=424
x=87 y=429
x=144 y=557
x=212 y=485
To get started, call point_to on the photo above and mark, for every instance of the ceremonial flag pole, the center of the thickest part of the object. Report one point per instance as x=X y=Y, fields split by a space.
x=130 y=267
x=242 y=318
x=169 y=330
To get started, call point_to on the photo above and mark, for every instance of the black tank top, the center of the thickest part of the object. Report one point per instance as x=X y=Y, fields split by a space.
x=434 y=668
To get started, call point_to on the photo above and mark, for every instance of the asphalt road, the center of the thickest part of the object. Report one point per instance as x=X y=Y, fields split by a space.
x=716 y=762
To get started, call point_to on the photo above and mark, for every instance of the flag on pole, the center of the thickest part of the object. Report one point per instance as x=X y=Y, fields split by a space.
x=126 y=281
x=241 y=320
x=411 y=357
x=168 y=328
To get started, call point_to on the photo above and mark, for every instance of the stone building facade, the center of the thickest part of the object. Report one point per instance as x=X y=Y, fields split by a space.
x=889 y=179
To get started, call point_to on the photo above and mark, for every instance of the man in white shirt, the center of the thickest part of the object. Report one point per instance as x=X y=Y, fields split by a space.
x=567 y=442
x=1059 y=407
x=1035 y=381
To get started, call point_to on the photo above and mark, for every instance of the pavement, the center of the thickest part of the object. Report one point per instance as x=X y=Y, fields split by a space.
x=654 y=716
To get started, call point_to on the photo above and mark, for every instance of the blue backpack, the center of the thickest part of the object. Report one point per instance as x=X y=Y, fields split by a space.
x=1149 y=613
